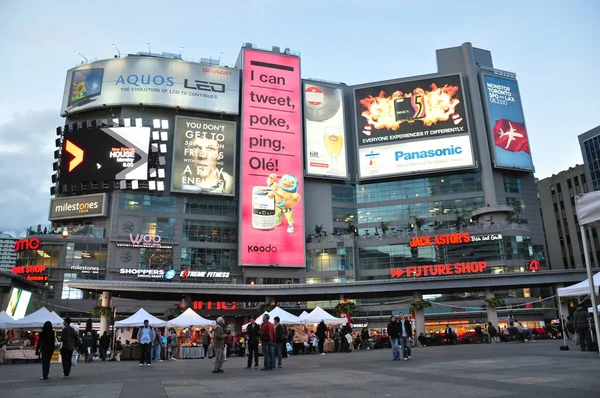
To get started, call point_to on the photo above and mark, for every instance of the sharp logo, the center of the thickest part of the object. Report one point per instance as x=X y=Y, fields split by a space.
x=76 y=152
x=204 y=86
x=27 y=244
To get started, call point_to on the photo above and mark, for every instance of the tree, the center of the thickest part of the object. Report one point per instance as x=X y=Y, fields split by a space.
x=419 y=222
x=318 y=229
x=384 y=227
x=351 y=228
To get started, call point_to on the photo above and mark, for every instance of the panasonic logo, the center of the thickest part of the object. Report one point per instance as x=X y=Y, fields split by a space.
x=431 y=153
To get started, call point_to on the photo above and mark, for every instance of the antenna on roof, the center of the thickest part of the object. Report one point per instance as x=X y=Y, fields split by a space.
x=180 y=51
x=220 y=55
x=148 y=44
x=117 y=48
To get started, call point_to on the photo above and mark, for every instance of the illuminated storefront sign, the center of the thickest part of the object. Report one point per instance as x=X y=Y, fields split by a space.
x=84 y=269
x=31 y=272
x=145 y=240
x=534 y=265
x=447 y=239
x=143 y=273
x=27 y=244
x=203 y=274
x=484 y=238
x=211 y=305
x=472 y=267
x=443 y=323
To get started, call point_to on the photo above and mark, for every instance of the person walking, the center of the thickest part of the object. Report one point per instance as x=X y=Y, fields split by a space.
x=146 y=336
x=346 y=330
x=206 y=343
x=157 y=345
x=45 y=348
x=104 y=344
x=336 y=340
x=173 y=345
x=393 y=331
x=219 y=345
x=88 y=345
x=267 y=337
x=69 y=343
x=252 y=333
x=280 y=339
x=580 y=319
x=405 y=335
x=321 y=330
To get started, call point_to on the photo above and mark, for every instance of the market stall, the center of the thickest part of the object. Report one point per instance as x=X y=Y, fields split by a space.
x=191 y=347
x=37 y=320
x=137 y=320
x=4 y=318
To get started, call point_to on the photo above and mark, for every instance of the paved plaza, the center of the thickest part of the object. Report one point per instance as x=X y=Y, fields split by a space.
x=489 y=370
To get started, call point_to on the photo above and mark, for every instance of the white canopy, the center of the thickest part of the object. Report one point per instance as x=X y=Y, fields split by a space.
x=190 y=318
x=588 y=209
x=284 y=317
x=137 y=320
x=591 y=309
x=36 y=320
x=303 y=315
x=4 y=318
x=579 y=289
x=319 y=314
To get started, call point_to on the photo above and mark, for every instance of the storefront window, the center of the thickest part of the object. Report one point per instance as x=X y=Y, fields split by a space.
x=208 y=259
x=150 y=203
x=210 y=207
x=86 y=255
x=209 y=231
x=164 y=227
x=46 y=255
x=156 y=258
x=70 y=293
x=323 y=260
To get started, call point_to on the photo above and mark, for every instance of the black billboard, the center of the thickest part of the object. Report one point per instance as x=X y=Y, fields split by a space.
x=115 y=153
x=410 y=110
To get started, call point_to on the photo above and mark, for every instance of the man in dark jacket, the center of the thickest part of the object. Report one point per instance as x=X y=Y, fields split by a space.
x=393 y=331
x=69 y=343
x=104 y=344
x=346 y=330
x=280 y=339
x=252 y=332
x=581 y=326
x=321 y=330
x=406 y=335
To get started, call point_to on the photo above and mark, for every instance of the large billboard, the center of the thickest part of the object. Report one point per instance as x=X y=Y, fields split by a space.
x=203 y=156
x=110 y=153
x=416 y=156
x=271 y=200
x=150 y=81
x=324 y=131
x=83 y=206
x=417 y=109
x=506 y=123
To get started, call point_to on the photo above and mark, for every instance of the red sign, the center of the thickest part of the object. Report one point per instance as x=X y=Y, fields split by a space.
x=27 y=244
x=447 y=239
x=534 y=265
x=272 y=222
x=474 y=267
x=219 y=305
x=29 y=270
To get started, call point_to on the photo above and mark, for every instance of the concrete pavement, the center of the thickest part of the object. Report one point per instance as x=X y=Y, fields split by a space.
x=489 y=370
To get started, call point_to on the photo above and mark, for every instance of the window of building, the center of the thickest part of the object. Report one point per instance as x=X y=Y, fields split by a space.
x=513 y=185
x=209 y=231
x=343 y=214
x=150 y=203
x=210 y=207
x=208 y=259
x=70 y=293
x=324 y=260
x=343 y=193
x=164 y=227
x=272 y=281
x=46 y=255
x=81 y=255
x=518 y=205
x=156 y=258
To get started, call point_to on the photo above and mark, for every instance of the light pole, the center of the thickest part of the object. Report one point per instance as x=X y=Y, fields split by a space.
x=180 y=51
x=117 y=48
x=148 y=44
x=81 y=55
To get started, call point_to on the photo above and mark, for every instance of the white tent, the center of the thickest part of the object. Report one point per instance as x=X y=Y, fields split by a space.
x=591 y=309
x=190 y=318
x=580 y=289
x=4 y=318
x=303 y=315
x=284 y=317
x=319 y=314
x=137 y=320
x=36 y=320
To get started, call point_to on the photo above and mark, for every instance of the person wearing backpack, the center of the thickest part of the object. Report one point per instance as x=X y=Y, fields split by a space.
x=280 y=339
x=69 y=343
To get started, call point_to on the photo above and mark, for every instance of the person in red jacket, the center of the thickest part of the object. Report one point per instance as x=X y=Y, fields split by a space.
x=267 y=337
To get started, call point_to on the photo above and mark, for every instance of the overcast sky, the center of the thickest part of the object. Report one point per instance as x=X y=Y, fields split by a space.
x=551 y=45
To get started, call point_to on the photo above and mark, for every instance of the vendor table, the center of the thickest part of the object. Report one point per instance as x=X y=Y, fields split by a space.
x=20 y=354
x=329 y=346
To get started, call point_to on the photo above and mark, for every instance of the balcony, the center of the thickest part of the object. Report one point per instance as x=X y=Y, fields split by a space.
x=84 y=231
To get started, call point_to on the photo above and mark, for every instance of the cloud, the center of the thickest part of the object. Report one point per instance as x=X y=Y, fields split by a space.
x=26 y=157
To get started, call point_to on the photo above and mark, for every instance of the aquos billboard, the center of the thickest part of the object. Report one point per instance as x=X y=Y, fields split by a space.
x=272 y=184
x=160 y=82
x=324 y=131
x=506 y=123
x=412 y=127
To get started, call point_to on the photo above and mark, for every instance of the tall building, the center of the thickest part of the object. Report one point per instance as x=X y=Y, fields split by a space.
x=161 y=175
x=563 y=234
x=8 y=257
x=590 y=149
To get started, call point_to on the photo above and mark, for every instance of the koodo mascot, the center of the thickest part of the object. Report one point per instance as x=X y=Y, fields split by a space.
x=286 y=197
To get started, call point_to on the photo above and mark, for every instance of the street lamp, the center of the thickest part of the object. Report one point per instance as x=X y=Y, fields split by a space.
x=81 y=55
x=148 y=44
x=117 y=48
x=180 y=51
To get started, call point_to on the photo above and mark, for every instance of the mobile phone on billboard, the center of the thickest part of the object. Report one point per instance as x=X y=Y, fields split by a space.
x=410 y=108
x=263 y=209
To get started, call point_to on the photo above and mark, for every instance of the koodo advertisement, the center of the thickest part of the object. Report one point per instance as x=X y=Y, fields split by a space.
x=204 y=156
x=404 y=111
x=272 y=211
x=506 y=123
x=137 y=80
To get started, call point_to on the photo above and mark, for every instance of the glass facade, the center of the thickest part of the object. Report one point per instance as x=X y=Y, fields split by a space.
x=323 y=260
x=164 y=227
x=86 y=255
x=46 y=255
x=150 y=203
x=402 y=255
x=343 y=193
x=513 y=185
x=272 y=281
x=518 y=205
x=208 y=259
x=211 y=207
x=591 y=153
x=156 y=258
x=210 y=231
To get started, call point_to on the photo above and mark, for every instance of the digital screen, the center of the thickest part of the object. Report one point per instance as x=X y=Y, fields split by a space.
x=115 y=153
x=204 y=156
x=325 y=133
x=18 y=303
x=272 y=158
x=506 y=123
x=410 y=110
x=85 y=84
